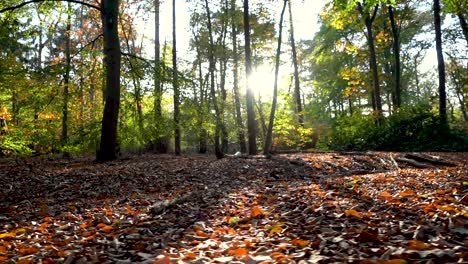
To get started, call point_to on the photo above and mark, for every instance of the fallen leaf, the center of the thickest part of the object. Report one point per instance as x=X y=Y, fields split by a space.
x=256 y=212
x=300 y=242
x=417 y=245
x=352 y=212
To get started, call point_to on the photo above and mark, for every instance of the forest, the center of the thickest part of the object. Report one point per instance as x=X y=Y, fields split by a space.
x=71 y=83
x=254 y=131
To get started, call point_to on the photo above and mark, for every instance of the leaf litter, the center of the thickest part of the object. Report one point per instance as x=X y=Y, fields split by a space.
x=295 y=208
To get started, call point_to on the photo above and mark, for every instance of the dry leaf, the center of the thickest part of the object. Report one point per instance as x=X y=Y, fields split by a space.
x=256 y=212
x=300 y=242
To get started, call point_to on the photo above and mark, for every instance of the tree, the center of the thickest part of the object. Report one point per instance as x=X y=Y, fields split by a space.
x=66 y=86
x=440 y=64
x=235 y=71
x=396 y=54
x=175 y=83
x=368 y=20
x=219 y=126
x=160 y=142
x=297 y=87
x=251 y=125
x=268 y=140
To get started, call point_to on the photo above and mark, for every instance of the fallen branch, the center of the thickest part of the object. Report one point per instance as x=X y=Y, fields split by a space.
x=430 y=159
x=414 y=163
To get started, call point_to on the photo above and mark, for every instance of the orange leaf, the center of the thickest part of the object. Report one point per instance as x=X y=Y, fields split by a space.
x=101 y=225
x=189 y=256
x=27 y=250
x=3 y=249
x=352 y=212
x=107 y=229
x=406 y=193
x=417 y=245
x=256 y=212
x=3 y=258
x=300 y=242
x=395 y=261
x=240 y=252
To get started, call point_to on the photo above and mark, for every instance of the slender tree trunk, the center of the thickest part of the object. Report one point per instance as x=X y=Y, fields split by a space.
x=269 y=137
x=440 y=64
x=160 y=143
x=108 y=146
x=202 y=136
x=463 y=25
x=251 y=127
x=396 y=54
x=222 y=84
x=297 y=87
x=175 y=83
x=219 y=125
x=239 y=123
x=67 y=77
x=369 y=19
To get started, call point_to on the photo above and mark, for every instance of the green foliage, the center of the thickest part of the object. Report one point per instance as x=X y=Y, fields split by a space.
x=12 y=146
x=412 y=129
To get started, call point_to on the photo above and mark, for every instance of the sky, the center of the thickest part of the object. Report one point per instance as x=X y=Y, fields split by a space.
x=305 y=21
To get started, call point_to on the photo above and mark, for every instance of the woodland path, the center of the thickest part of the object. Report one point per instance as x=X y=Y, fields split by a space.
x=295 y=208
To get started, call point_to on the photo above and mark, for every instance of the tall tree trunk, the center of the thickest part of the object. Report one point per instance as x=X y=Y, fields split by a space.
x=297 y=87
x=175 y=83
x=463 y=25
x=222 y=83
x=202 y=136
x=67 y=77
x=369 y=19
x=269 y=137
x=219 y=125
x=239 y=123
x=396 y=55
x=251 y=127
x=108 y=146
x=440 y=65
x=160 y=143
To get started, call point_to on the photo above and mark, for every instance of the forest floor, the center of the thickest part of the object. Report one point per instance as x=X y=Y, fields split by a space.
x=295 y=208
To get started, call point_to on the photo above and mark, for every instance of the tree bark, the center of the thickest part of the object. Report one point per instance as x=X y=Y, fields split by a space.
x=66 y=86
x=297 y=87
x=235 y=72
x=160 y=143
x=463 y=25
x=440 y=65
x=175 y=83
x=396 y=54
x=269 y=137
x=219 y=126
x=251 y=126
x=369 y=19
x=112 y=54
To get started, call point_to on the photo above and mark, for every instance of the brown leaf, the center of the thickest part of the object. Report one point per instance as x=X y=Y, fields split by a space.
x=256 y=212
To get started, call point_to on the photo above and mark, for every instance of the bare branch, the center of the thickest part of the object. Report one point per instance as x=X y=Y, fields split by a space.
x=11 y=8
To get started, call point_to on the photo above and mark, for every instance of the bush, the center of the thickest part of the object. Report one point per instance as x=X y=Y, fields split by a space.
x=413 y=129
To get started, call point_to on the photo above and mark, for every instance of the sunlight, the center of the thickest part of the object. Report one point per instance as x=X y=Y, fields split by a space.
x=262 y=80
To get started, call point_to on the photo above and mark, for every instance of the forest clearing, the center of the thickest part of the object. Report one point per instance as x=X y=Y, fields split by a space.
x=329 y=207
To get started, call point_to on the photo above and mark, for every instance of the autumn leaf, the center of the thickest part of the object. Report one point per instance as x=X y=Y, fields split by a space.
x=256 y=212
x=417 y=245
x=27 y=250
x=162 y=260
x=239 y=252
x=107 y=229
x=275 y=229
x=24 y=261
x=3 y=258
x=352 y=212
x=7 y=235
x=300 y=242
x=189 y=256
x=395 y=261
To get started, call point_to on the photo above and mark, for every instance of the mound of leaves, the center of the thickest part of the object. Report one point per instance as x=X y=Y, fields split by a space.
x=317 y=208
